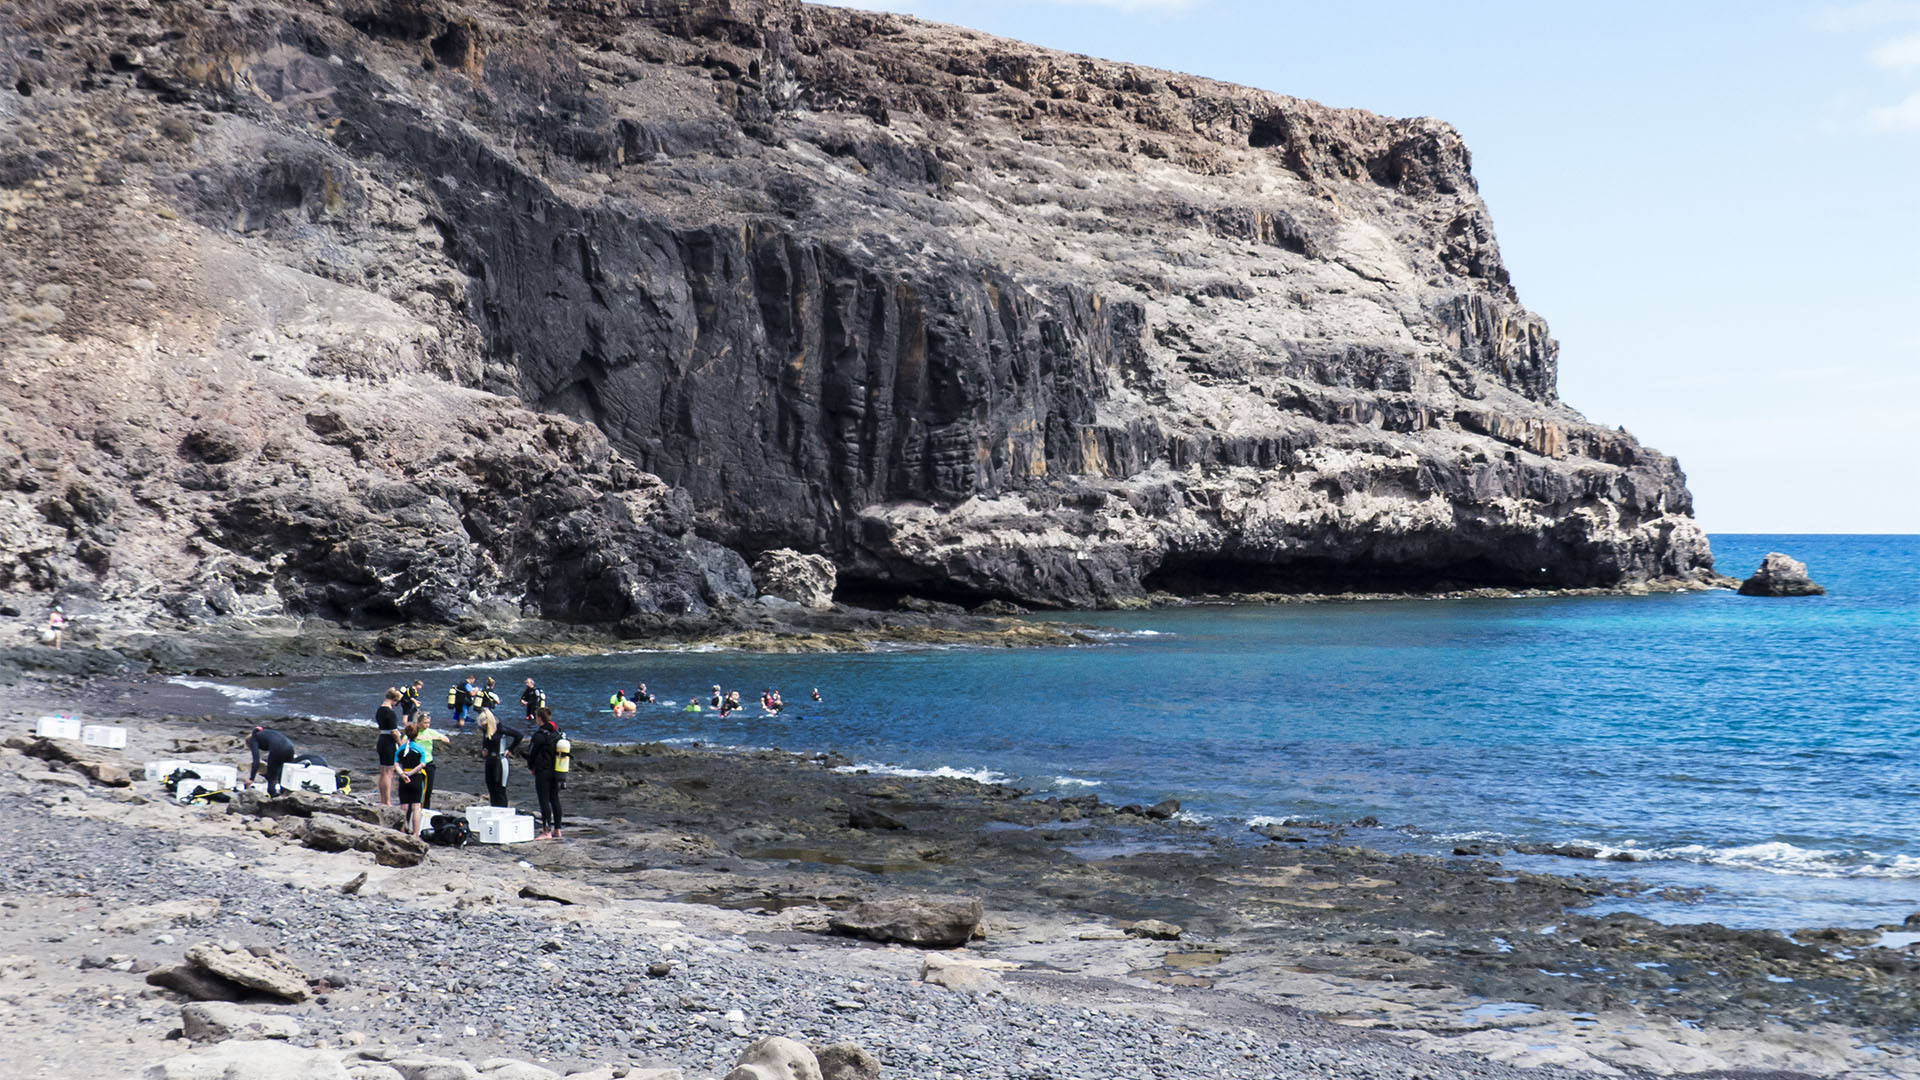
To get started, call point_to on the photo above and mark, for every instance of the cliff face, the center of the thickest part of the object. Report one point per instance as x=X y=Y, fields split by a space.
x=330 y=304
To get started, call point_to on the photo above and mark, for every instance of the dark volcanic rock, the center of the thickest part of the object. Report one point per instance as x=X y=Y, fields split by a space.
x=488 y=320
x=1780 y=575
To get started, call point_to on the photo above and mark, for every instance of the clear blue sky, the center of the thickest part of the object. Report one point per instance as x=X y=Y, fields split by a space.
x=1712 y=204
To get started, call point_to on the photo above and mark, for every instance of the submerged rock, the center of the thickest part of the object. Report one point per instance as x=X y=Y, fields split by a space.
x=1780 y=575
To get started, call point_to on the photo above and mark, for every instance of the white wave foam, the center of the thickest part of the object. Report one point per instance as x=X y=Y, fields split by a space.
x=1190 y=818
x=1075 y=781
x=946 y=772
x=244 y=695
x=1779 y=857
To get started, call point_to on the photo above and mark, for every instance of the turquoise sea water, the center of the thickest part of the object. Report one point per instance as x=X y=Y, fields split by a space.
x=1761 y=748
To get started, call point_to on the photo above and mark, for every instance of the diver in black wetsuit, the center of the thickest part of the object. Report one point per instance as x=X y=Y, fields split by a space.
x=276 y=748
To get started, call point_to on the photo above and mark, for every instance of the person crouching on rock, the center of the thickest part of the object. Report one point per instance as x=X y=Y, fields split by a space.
x=387 y=719
x=276 y=749
x=494 y=748
x=543 y=756
x=410 y=763
x=426 y=737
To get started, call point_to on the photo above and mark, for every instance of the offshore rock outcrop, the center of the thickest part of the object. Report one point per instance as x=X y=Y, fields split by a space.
x=403 y=309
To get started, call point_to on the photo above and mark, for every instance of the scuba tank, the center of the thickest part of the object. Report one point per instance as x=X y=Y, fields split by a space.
x=344 y=780
x=562 y=754
x=452 y=692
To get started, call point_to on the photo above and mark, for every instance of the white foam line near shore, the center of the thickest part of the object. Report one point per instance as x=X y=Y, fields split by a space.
x=945 y=772
x=239 y=695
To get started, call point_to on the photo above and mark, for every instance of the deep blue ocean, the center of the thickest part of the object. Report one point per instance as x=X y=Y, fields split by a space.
x=1764 y=749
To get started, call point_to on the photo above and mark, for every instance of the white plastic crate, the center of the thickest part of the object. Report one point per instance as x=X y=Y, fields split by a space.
x=478 y=814
x=509 y=829
x=210 y=776
x=158 y=771
x=57 y=727
x=297 y=777
x=104 y=735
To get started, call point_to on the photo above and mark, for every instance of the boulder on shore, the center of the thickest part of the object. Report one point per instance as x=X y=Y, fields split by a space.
x=266 y=972
x=1780 y=575
x=215 y=1021
x=326 y=832
x=922 y=921
x=776 y=1058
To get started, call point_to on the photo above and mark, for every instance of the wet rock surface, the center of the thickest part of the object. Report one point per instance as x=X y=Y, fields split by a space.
x=424 y=313
x=1780 y=575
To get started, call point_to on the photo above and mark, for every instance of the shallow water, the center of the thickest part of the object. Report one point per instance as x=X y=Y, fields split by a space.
x=1758 y=748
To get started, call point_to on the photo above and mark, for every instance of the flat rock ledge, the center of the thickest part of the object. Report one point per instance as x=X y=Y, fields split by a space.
x=920 y=921
x=1780 y=575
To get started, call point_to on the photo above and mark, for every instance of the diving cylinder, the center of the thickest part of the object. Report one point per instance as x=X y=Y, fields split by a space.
x=562 y=755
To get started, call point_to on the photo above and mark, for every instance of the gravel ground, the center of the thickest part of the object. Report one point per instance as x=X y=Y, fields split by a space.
x=464 y=970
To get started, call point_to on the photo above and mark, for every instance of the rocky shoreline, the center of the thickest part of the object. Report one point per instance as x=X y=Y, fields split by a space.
x=1279 y=947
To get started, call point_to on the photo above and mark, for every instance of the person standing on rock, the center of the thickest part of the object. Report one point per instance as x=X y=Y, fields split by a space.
x=411 y=766
x=497 y=741
x=532 y=699
x=543 y=758
x=425 y=737
x=276 y=749
x=56 y=626
x=386 y=719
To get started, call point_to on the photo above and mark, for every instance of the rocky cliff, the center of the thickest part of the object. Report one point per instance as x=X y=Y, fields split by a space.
x=411 y=309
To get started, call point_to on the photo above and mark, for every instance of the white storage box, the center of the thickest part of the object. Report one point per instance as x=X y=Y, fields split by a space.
x=211 y=776
x=478 y=814
x=57 y=727
x=106 y=735
x=158 y=771
x=297 y=777
x=496 y=829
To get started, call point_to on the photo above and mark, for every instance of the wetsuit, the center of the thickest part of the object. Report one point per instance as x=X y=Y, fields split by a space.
x=410 y=789
x=409 y=704
x=495 y=748
x=546 y=783
x=531 y=699
x=277 y=749
x=389 y=742
x=425 y=741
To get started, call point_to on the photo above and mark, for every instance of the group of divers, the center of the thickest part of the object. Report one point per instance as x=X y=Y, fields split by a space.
x=404 y=746
x=620 y=704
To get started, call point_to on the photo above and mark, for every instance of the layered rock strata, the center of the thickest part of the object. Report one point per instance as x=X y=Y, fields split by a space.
x=401 y=309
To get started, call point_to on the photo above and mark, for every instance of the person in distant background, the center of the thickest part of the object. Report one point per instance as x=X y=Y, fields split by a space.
x=460 y=701
x=276 y=749
x=816 y=693
x=497 y=742
x=532 y=699
x=56 y=625
x=386 y=719
x=486 y=699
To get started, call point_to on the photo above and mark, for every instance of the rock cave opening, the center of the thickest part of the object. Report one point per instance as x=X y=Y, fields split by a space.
x=1216 y=576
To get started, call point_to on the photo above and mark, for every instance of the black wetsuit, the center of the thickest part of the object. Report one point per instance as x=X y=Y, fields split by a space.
x=496 y=747
x=531 y=699
x=546 y=783
x=389 y=725
x=276 y=748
